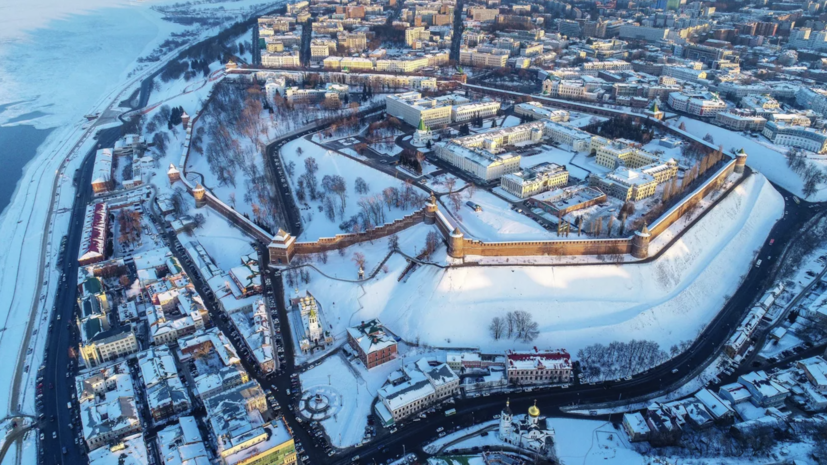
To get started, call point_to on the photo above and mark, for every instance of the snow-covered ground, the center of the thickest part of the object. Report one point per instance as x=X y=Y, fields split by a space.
x=589 y=442
x=496 y=222
x=667 y=300
x=225 y=243
x=315 y=223
x=761 y=155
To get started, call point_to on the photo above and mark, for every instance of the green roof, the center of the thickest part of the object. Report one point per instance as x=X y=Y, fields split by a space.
x=92 y=327
x=93 y=285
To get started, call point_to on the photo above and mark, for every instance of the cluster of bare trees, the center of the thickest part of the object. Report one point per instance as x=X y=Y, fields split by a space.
x=234 y=116
x=518 y=324
x=812 y=175
x=622 y=359
x=372 y=208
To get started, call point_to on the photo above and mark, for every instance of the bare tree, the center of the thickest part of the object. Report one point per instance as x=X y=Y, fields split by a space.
x=431 y=243
x=359 y=259
x=393 y=242
x=497 y=328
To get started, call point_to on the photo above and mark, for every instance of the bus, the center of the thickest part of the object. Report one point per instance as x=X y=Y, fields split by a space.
x=450 y=412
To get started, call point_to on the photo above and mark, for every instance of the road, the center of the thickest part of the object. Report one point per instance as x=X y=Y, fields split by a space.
x=57 y=387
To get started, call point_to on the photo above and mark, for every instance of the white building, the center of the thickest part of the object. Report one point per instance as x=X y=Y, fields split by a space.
x=537 y=111
x=796 y=136
x=181 y=444
x=538 y=367
x=703 y=104
x=418 y=386
x=108 y=411
x=534 y=180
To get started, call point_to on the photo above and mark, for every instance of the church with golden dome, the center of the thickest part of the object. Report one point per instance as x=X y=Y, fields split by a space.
x=529 y=432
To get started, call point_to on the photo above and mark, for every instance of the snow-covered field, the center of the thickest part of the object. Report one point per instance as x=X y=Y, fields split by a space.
x=315 y=223
x=551 y=154
x=588 y=442
x=667 y=300
x=770 y=162
x=355 y=388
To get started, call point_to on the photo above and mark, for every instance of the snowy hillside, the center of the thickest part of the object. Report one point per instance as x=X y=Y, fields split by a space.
x=762 y=155
x=668 y=300
x=329 y=163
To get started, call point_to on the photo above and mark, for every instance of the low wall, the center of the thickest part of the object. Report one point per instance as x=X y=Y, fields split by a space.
x=341 y=241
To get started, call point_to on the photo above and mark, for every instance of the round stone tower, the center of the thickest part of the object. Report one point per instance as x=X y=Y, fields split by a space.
x=640 y=243
x=200 y=195
x=430 y=210
x=456 y=244
x=740 y=161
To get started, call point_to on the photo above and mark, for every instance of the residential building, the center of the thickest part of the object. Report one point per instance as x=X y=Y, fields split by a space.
x=93 y=241
x=106 y=399
x=254 y=327
x=181 y=444
x=765 y=391
x=812 y=99
x=102 y=172
x=373 y=346
x=635 y=426
x=130 y=450
x=165 y=395
x=484 y=57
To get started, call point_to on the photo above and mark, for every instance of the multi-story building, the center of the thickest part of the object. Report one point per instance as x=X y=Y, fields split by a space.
x=241 y=434
x=433 y=112
x=415 y=34
x=617 y=153
x=102 y=172
x=478 y=161
x=483 y=14
x=181 y=443
x=538 y=367
x=796 y=136
x=484 y=57
x=706 y=54
x=760 y=105
x=765 y=391
x=812 y=99
x=740 y=120
x=537 y=111
x=636 y=32
x=578 y=139
x=626 y=184
x=702 y=104
x=408 y=64
x=280 y=59
x=352 y=41
x=534 y=180
x=469 y=111
x=684 y=73
x=93 y=239
x=166 y=396
x=108 y=411
x=255 y=329
x=373 y=346
x=321 y=48
x=99 y=346
x=422 y=384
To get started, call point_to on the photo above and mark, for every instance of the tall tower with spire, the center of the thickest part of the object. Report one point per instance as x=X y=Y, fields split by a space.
x=505 y=421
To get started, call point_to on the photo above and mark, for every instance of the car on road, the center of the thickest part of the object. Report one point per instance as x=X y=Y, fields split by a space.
x=54 y=434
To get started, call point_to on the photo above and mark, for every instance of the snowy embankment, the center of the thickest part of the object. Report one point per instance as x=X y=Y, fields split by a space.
x=770 y=162
x=667 y=300
x=315 y=223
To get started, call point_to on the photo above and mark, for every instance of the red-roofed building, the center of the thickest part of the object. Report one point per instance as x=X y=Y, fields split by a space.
x=93 y=242
x=538 y=367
